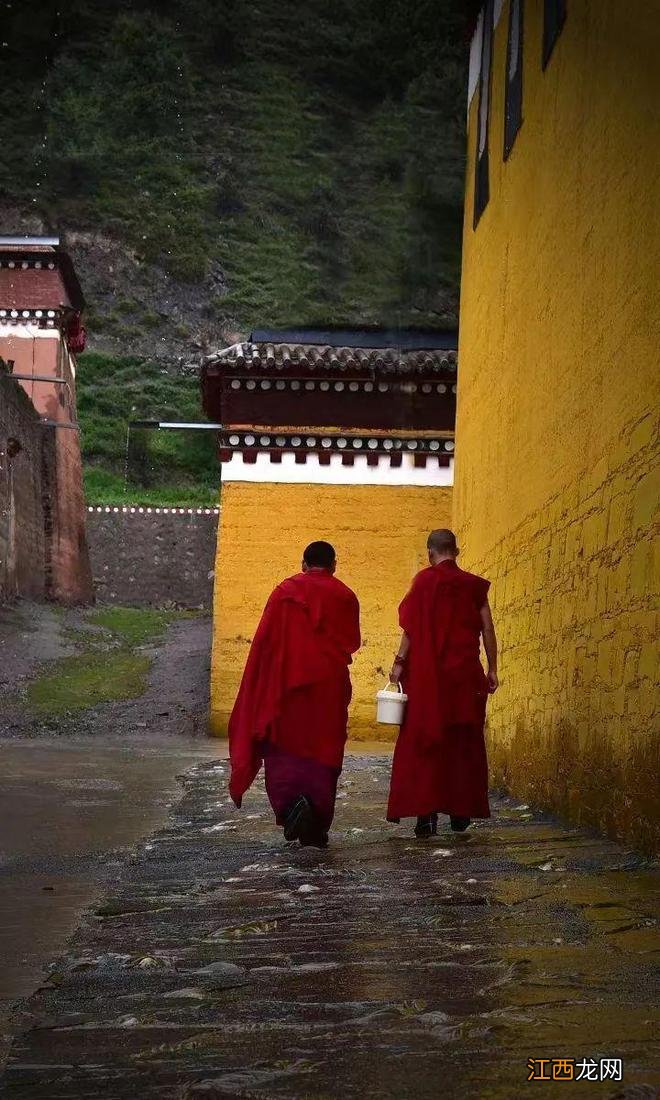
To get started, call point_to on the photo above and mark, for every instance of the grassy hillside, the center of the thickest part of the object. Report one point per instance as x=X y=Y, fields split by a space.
x=146 y=466
x=217 y=164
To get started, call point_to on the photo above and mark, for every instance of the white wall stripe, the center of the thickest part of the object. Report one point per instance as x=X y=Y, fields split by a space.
x=288 y=471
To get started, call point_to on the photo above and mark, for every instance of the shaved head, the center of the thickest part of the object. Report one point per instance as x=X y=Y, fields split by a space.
x=319 y=555
x=443 y=542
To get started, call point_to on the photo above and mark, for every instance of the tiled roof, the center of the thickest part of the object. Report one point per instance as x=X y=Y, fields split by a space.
x=324 y=357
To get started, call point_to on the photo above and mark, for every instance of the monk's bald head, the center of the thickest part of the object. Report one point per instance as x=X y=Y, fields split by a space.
x=442 y=543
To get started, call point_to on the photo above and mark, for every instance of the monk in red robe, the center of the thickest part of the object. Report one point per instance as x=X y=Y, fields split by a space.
x=440 y=761
x=291 y=711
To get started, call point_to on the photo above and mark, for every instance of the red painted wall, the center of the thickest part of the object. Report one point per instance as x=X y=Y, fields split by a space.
x=70 y=579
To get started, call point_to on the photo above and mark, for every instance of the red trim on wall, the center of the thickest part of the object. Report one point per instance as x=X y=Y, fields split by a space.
x=345 y=410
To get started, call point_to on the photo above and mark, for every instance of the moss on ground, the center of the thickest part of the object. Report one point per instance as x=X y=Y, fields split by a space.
x=135 y=625
x=98 y=674
x=84 y=680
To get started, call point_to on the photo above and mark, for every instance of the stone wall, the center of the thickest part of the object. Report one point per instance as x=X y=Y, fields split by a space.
x=153 y=557
x=556 y=476
x=26 y=450
x=379 y=533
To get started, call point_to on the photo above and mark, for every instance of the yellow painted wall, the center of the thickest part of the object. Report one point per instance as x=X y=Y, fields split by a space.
x=557 y=435
x=379 y=533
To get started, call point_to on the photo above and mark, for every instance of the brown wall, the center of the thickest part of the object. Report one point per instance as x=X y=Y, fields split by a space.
x=43 y=546
x=71 y=568
x=22 y=514
x=47 y=355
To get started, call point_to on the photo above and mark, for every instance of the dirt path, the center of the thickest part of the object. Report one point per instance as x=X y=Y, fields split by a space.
x=176 y=701
x=30 y=634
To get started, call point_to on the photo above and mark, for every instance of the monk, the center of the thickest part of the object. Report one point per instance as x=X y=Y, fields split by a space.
x=291 y=711
x=440 y=757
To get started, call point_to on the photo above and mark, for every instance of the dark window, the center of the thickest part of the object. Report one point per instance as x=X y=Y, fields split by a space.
x=514 y=76
x=554 y=15
x=481 y=188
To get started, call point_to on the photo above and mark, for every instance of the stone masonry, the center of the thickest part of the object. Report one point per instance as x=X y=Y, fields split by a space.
x=153 y=557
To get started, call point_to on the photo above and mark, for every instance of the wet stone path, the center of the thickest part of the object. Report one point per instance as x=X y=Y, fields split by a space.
x=228 y=964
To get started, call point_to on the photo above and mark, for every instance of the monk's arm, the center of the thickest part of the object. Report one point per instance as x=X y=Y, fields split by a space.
x=400 y=659
x=490 y=646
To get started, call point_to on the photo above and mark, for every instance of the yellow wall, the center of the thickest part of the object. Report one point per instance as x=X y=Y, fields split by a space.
x=379 y=534
x=556 y=470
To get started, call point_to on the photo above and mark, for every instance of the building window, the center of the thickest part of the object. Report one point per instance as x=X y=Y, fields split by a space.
x=481 y=188
x=554 y=16
x=514 y=76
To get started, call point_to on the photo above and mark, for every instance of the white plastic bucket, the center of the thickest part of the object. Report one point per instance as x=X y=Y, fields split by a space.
x=391 y=704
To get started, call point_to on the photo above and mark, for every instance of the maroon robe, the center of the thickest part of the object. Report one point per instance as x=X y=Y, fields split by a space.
x=292 y=705
x=440 y=757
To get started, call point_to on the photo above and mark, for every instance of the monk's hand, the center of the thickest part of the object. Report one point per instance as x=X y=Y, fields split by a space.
x=493 y=682
x=395 y=672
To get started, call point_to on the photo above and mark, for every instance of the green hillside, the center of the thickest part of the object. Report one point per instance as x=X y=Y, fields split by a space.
x=218 y=165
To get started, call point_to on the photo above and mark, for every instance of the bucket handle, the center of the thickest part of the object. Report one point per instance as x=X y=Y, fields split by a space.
x=397 y=687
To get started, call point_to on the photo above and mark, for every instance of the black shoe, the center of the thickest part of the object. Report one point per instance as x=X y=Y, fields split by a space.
x=299 y=820
x=426 y=826
x=317 y=839
x=459 y=824
x=302 y=824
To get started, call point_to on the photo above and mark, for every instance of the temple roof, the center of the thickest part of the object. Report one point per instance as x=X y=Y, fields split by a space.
x=35 y=274
x=423 y=357
x=377 y=381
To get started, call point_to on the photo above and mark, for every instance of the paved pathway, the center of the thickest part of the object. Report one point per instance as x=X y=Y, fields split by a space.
x=227 y=964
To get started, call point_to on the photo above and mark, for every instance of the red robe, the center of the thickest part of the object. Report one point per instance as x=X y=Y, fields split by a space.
x=440 y=757
x=296 y=688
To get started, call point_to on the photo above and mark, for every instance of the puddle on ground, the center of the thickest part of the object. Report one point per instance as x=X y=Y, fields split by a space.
x=57 y=849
